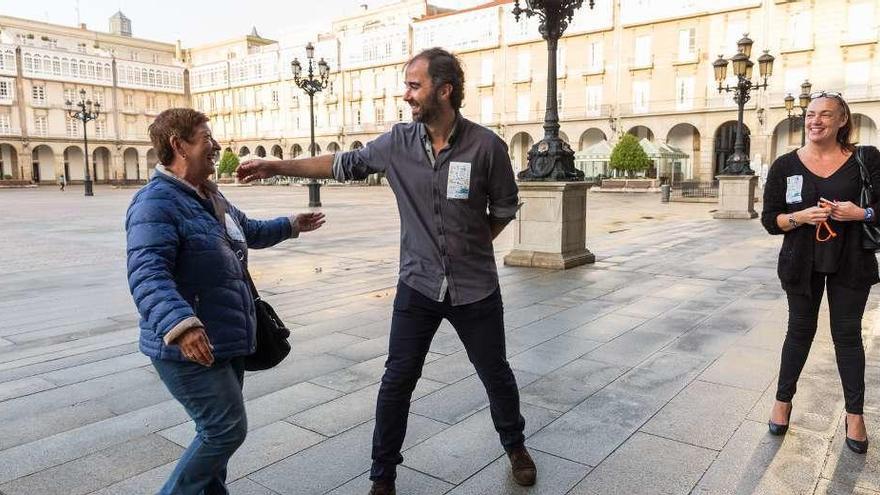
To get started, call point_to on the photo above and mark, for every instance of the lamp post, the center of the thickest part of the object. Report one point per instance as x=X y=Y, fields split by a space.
x=84 y=111
x=311 y=84
x=803 y=103
x=551 y=159
x=738 y=163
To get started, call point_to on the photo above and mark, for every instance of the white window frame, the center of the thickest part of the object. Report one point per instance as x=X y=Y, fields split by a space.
x=642 y=52
x=641 y=96
x=487 y=103
x=594 y=100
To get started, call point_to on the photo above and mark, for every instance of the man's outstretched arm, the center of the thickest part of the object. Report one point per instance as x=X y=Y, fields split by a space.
x=318 y=167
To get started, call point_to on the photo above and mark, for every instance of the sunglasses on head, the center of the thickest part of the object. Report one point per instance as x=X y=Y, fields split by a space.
x=826 y=94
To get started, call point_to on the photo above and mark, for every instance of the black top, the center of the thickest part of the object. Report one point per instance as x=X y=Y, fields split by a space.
x=856 y=267
x=844 y=184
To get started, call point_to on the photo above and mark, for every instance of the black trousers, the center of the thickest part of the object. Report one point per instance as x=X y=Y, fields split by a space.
x=415 y=320
x=847 y=306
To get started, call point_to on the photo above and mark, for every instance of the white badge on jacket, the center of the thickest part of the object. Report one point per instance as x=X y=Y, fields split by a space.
x=233 y=230
x=458 y=186
x=793 y=189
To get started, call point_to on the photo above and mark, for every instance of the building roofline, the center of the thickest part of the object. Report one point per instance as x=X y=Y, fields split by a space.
x=78 y=31
x=494 y=3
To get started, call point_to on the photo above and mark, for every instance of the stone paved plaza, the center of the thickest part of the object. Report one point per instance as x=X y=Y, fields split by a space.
x=650 y=372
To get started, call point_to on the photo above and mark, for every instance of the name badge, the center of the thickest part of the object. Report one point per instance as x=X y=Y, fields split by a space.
x=233 y=230
x=458 y=185
x=793 y=189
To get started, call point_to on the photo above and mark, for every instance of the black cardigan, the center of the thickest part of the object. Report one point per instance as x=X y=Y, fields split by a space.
x=858 y=267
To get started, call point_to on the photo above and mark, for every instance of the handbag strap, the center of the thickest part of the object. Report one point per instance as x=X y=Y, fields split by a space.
x=219 y=204
x=863 y=170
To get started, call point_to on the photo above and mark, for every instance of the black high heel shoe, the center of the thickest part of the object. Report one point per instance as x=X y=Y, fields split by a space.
x=857 y=446
x=780 y=430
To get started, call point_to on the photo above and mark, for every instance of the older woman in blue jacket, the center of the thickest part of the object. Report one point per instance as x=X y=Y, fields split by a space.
x=187 y=255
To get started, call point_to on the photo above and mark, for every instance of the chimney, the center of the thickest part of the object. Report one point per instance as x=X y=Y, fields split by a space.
x=364 y=7
x=82 y=25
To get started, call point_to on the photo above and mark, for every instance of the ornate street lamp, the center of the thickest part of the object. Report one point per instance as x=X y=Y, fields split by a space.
x=803 y=103
x=84 y=111
x=551 y=159
x=311 y=84
x=738 y=163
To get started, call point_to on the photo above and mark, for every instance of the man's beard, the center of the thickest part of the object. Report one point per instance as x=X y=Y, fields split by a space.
x=429 y=109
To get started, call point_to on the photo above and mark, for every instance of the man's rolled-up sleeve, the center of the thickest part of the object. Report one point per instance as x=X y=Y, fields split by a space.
x=503 y=193
x=360 y=163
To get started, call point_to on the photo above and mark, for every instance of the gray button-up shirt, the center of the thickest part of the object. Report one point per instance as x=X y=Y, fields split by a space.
x=447 y=204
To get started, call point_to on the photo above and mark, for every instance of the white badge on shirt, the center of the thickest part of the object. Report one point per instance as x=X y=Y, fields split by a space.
x=793 y=189
x=458 y=186
x=233 y=230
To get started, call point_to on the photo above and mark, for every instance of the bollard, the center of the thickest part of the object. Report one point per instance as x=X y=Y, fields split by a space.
x=665 y=190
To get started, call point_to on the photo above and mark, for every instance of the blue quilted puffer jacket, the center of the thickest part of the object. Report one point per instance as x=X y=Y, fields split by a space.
x=182 y=262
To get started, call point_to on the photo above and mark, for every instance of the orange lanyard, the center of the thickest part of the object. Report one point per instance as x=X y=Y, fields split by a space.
x=831 y=234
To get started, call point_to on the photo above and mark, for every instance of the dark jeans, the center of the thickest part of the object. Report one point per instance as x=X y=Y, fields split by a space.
x=480 y=327
x=847 y=306
x=212 y=398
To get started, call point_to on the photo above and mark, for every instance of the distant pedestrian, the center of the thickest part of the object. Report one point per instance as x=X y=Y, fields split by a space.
x=62 y=181
x=812 y=197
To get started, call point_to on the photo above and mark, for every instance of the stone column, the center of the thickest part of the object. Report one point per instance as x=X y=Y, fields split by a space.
x=736 y=197
x=551 y=227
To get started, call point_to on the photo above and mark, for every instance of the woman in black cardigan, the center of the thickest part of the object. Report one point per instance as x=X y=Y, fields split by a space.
x=811 y=258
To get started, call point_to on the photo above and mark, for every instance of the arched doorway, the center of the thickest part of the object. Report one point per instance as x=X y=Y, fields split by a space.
x=101 y=165
x=317 y=148
x=74 y=164
x=357 y=145
x=590 y=137
x=43 y=164
x=685 y=137
x=295 y=151
x=332 y=147
x=641 y=132
x=244 y=151
x=130 y=161
x=277 y=152
x=864 y=130
x=260 y=151
x=786 y=137
x=520 y=145
x=152 y=160
x=8 y=162
x=725 y=140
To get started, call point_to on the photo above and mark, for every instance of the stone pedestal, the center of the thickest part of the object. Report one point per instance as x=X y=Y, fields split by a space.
x=551 y=227
x=736 y=197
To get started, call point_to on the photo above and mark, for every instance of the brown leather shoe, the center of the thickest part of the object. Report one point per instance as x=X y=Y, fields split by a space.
x=381 y=487
x=522 y=466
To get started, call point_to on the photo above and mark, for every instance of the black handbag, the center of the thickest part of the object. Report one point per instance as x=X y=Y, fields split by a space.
x=272 y=335
x=870 y=231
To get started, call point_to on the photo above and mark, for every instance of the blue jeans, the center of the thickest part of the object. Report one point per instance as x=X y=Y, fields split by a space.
x=415 y=320
x=212 y=398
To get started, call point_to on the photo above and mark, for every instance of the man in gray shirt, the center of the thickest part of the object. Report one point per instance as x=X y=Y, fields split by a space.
x=455 y=192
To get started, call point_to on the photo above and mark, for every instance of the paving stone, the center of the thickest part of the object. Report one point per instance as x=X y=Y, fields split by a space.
x=703 y=414
x=755 y=462
x=267 y=445
x=647 y=465
x=546 y=357
x=325 y=343
x=246 y=486
x=568 y=386
x=453 y=403
x=631 y=348
x=98 y=368
x=446 y=343
x=36 y=456
x=704 y=342
x=334 y=461
x=817 y=404
x=363 y=350
x=146 y=483
x=449 y=369
x=468 y=446
x=66 y=362
x=294 y=370
x=744 y=367
x=335 y=416
x=408 y=481
x=848 y=468
x=556 y=476
x=647 y=307
x=526 y=337
x=264 y=410
x=34 y=427
x=354 y=377
x=23 y=386
x=529 y=314
x=827 y=487
x=606 y=327
x=97 y=470
x=663 y=375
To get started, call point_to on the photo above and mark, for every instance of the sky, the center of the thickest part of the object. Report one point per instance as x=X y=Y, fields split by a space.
x=198 y=21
